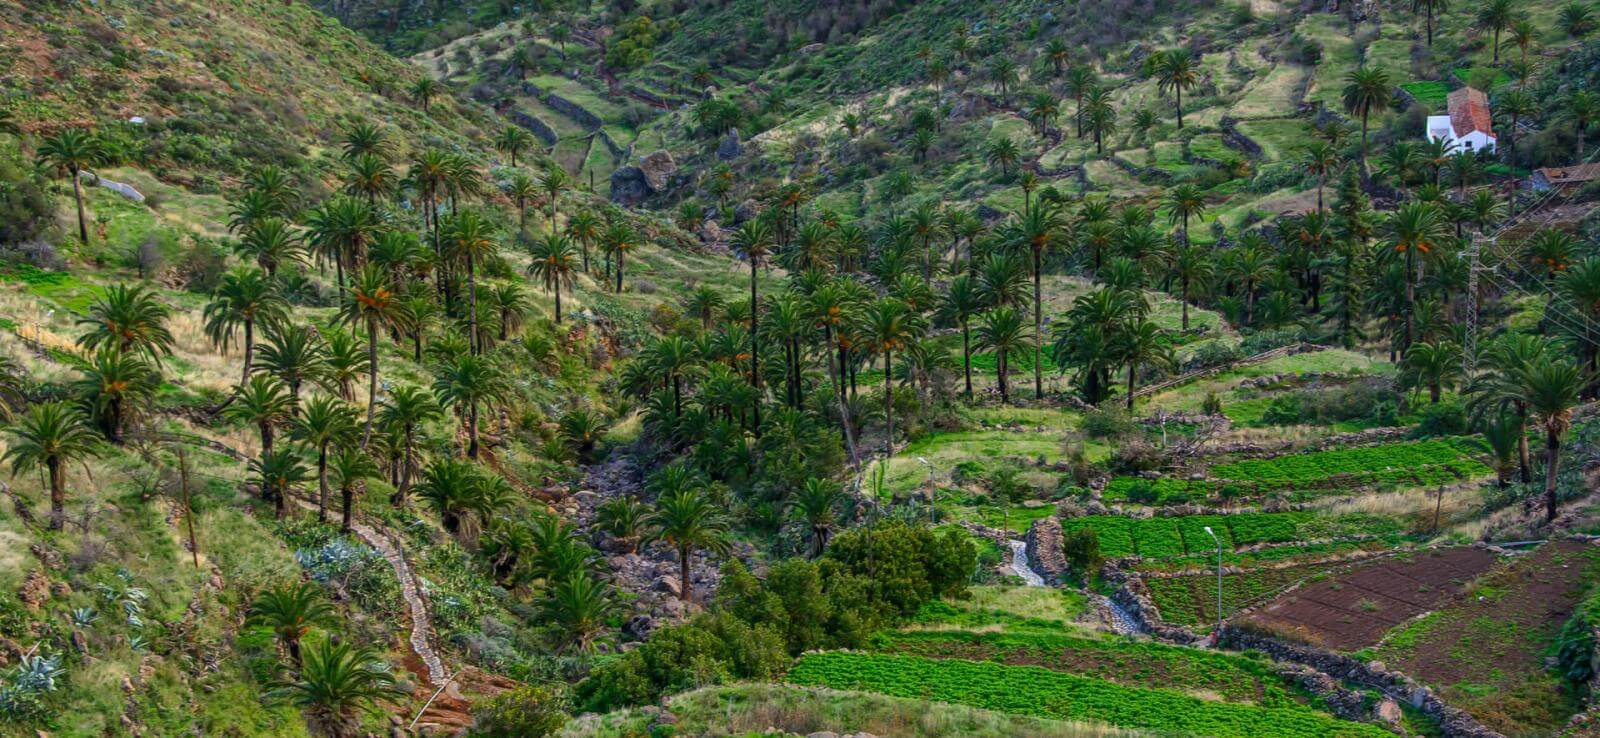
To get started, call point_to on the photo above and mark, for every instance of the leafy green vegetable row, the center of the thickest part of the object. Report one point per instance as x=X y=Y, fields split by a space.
x=1029 y=690
x=1424 y=462
x=1155 y=538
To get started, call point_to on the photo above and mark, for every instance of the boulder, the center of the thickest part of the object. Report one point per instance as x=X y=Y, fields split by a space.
x=35 y=590
x=629 y=186
x=745 y=211
x=658 y=168
x=730 y=147
x=1388 y=711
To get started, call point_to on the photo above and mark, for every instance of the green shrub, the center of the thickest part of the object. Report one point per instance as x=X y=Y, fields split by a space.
x=1107 y=422
x=529 y=711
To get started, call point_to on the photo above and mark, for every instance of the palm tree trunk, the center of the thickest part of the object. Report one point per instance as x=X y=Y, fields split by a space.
x=472 y=431
x=472 y=304
x=1131 y=366
x=1411 y=298
x=1000 y=364
x=1178 y=92
x=322 y=483
x=58 y=493
x=619 y=272
x=1185 y=300
x=77 y=195
x=558 y=302
x=966 y=356
x=1553 y=445
x=401 y=491
x=1038 y=327
x=888 y=403
x=1524 y=455
x=372 y=378
x=755 y=346
x=349 y=493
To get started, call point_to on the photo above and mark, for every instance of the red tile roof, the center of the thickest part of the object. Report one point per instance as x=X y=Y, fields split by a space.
x=1469 y=111
x=1570 y=175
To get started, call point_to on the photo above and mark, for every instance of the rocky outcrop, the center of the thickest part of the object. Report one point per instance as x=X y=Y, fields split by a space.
x=629 y=186
x=730 y=147
x=125 y=190
x=658 y=168
x=1045 y=549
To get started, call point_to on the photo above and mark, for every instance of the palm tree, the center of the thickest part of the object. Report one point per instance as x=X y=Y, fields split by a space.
x=50 y=435
x=72 y=151
x=324 y=422
x=511 y=307
x=1367 y=91
x=1322 y=159
x=512 y=141
x=1057 y=51
x=1496 y=16
x=579 y=606
x=346 y=360
x=1142 y=343
x=688 y=521
x=423 y=91
x=1501 y=388
x=1102 y=118
x=962 y=300
x=1184 y=202
x=674 y=357
x=336 y=681
x=1176 y=70
x=370 y=177
x=816 y=504
x=1002 y=153
x=582 y=428
x=1043 y=108
x=1583 y=109
x=889 y=326
x=552 y=183
x=1577 y=20
x=374 y=304
x=290 y=612
x=1039 y=228
x=554 y=261
x=114 y=386
x=294 y=354
x=754 y=240
x=1191 y=266
x=584 y=228
x=130 y=319
x=1432 y=365
x=352 y=467
x=340 y=231
x=404 y=410
x=366 y=139
x=263 y=402
x=1080 y=80
x=1551 y=388
x=244 y=299
x=1430 y=7
x=703 y=302
x=618 y=240
x=271 y=242
x=1004 y=332
x=1003 y=72
x=1415 y=227
x=278 y=472
x=467 y=384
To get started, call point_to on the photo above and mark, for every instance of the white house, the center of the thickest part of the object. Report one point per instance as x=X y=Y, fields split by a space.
x=1468 y=125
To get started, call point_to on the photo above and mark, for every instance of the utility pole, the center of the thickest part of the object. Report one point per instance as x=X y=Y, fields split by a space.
x=1469 y=352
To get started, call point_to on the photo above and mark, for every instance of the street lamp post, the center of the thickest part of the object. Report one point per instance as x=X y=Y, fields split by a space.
x=1218 y=541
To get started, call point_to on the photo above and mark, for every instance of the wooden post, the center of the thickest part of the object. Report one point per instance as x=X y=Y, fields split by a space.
x=1438 y=502
x=188 y=510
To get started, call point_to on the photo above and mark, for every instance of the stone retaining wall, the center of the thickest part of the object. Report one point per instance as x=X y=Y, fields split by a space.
x=1045 y=550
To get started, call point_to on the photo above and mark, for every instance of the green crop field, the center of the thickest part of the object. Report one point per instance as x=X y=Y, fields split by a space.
x=1029 y=690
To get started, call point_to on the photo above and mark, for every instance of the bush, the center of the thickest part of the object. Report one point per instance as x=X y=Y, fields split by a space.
x=529 y=711
x=26 y=210
x=1267 y=340
x=1283 y=410
x=1081 y=548
x=1213 y=353
x=1447 y=418
x=1107 y=422
x=1211 y=405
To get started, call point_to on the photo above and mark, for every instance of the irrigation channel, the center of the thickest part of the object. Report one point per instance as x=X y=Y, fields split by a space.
x=1020 y=566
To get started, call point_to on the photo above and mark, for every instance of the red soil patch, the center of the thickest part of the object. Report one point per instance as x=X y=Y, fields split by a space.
x=1486 y=653
x=1353 y=609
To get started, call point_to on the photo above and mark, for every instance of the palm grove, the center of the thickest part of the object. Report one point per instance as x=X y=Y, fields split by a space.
x=757 y=404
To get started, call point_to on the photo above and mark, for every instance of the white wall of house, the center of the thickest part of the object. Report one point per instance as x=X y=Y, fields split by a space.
x=1439 y=128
